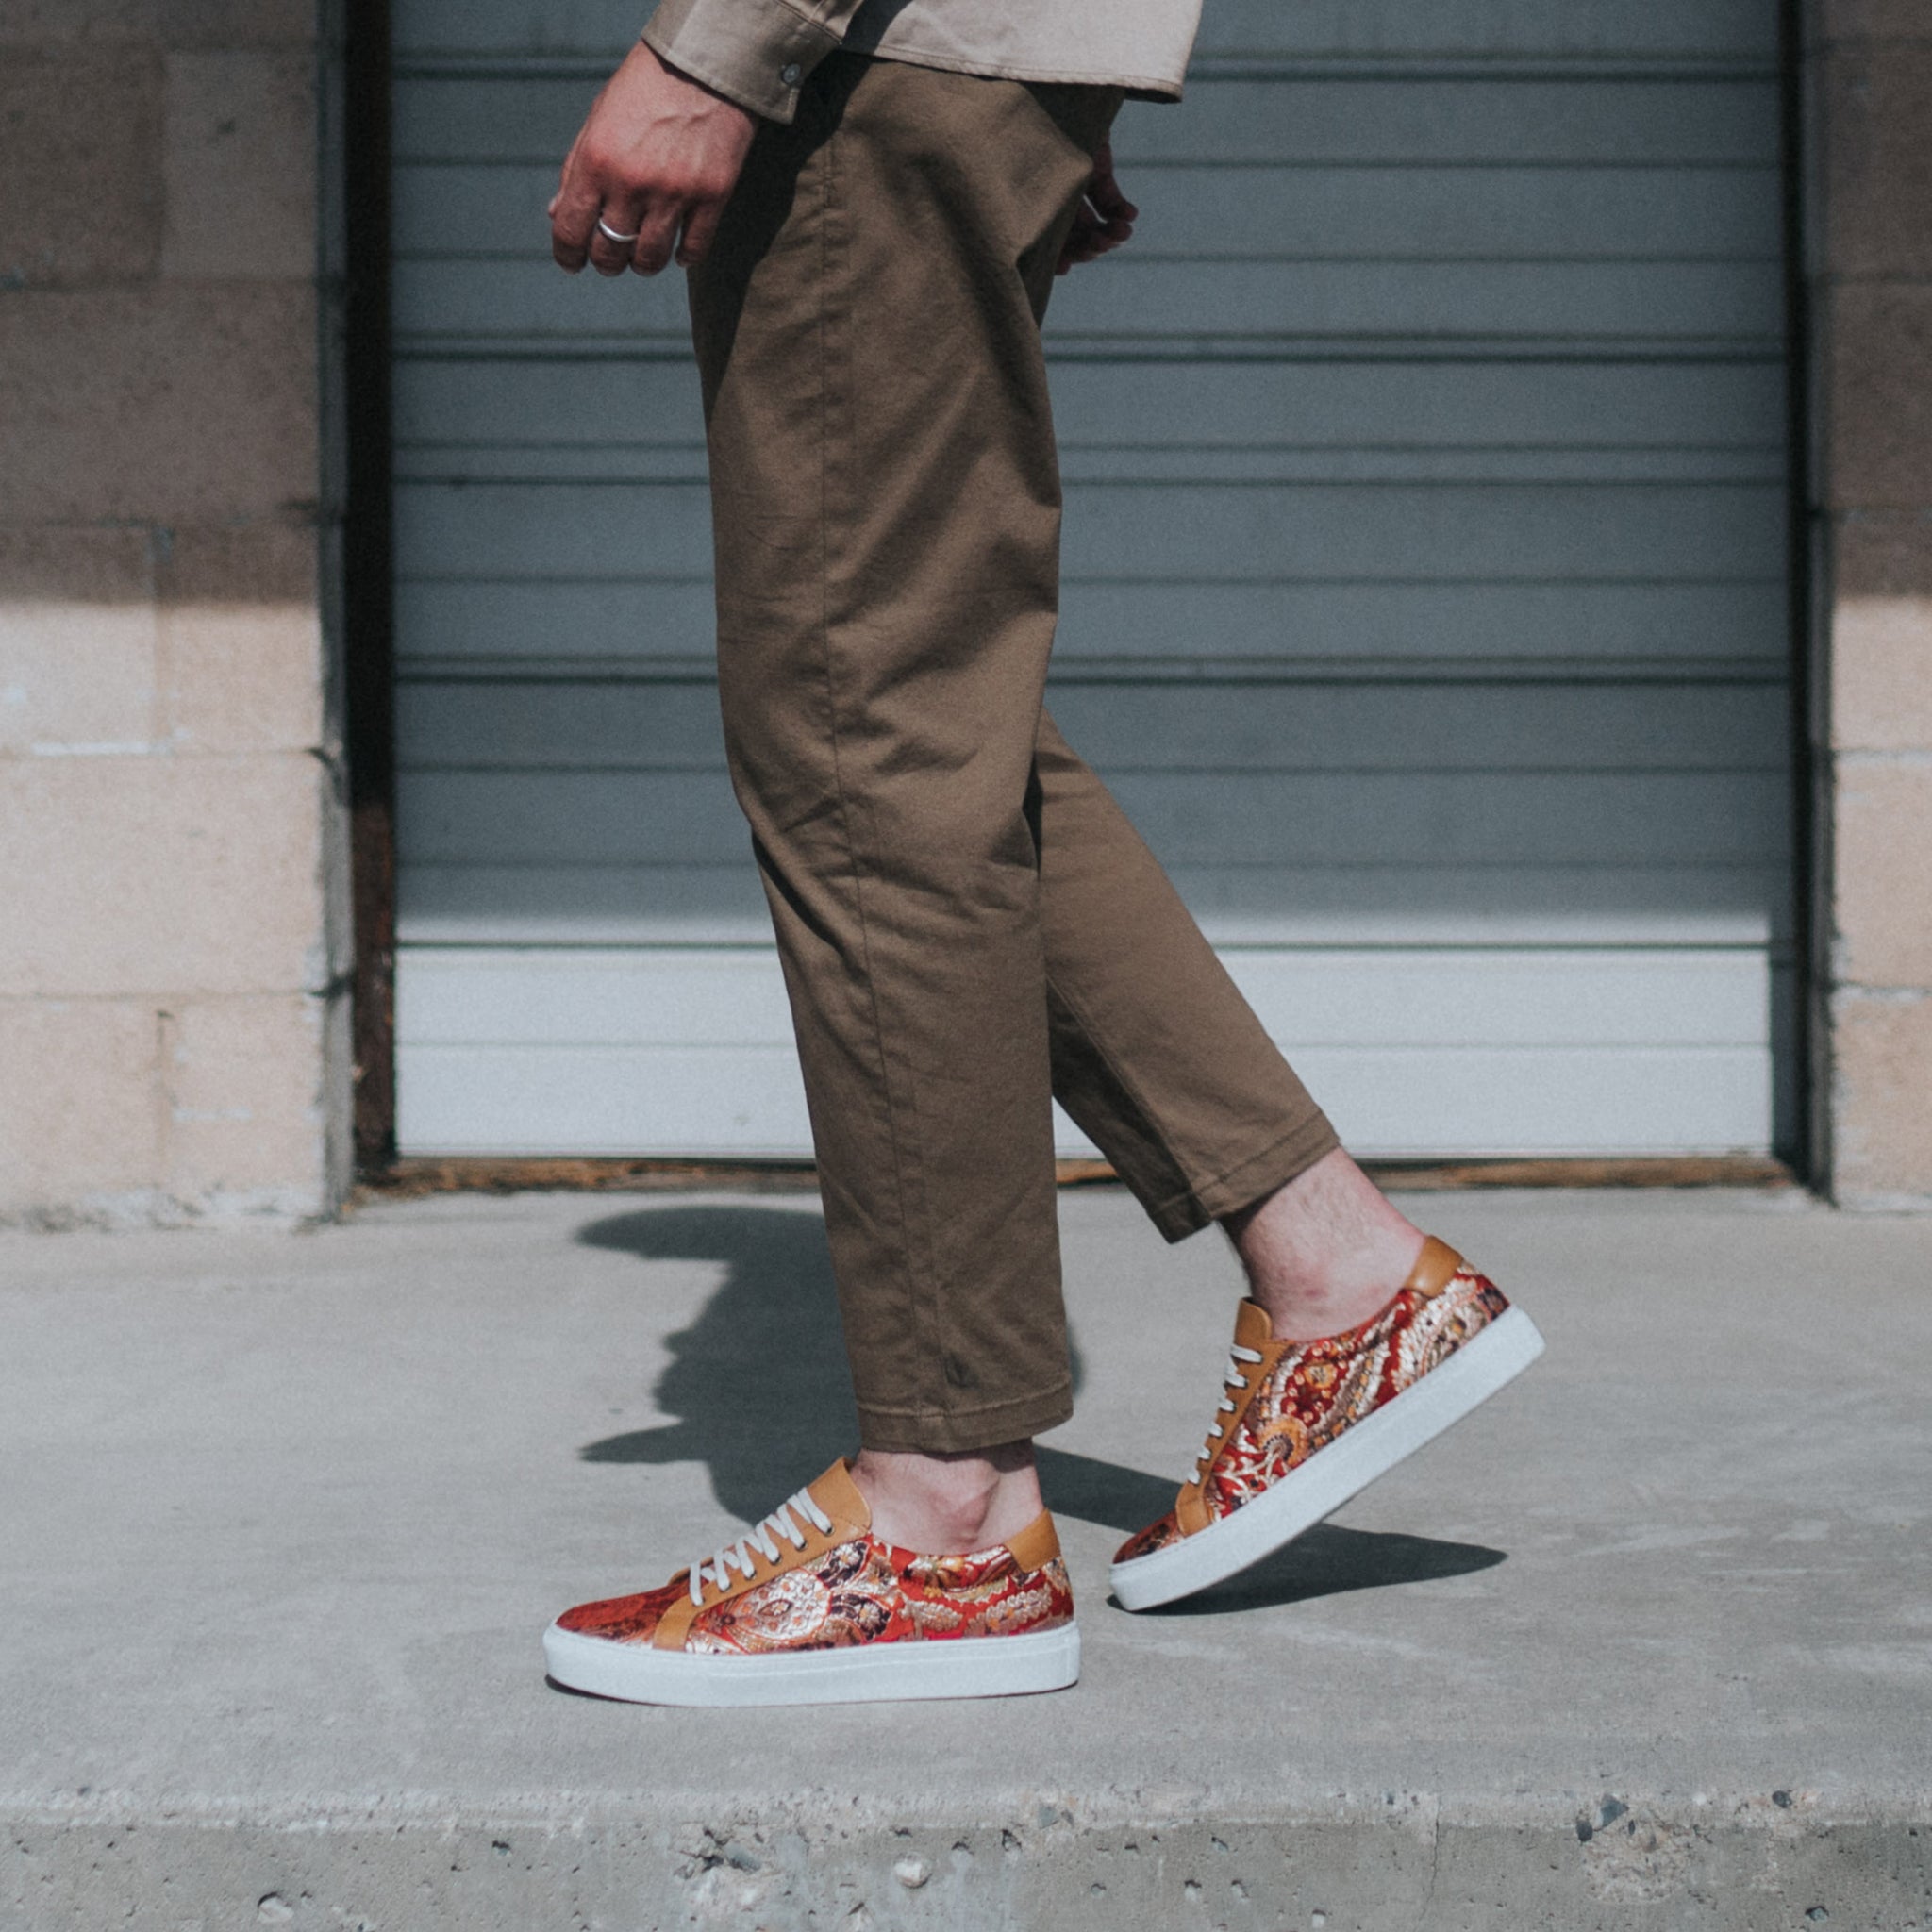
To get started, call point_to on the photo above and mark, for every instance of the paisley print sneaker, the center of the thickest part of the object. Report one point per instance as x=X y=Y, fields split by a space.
x=811 y=1608
x=1304 y=1424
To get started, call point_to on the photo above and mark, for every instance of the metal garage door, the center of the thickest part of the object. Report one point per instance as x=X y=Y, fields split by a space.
x=1425 y=605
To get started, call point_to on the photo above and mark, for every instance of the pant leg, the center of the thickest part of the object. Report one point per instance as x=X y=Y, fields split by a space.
x=1156 y=1054
x=886 y=505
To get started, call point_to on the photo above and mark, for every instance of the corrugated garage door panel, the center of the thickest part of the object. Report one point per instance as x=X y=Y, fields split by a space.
x=1425 y=587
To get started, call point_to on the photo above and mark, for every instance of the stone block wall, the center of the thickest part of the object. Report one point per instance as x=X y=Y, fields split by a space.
x=1871 y=73
x=173 y=951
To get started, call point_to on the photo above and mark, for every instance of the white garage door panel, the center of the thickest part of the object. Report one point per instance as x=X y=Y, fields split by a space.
x=1597 y=301
x=482 y=417
x=1159 y=532
x=1420 y=115
x=481 y=302
x=1435 y=627
x=1425 y=586
x=1654 y=28
x=1267 y=818
x=462 y=630
x=1473 y=1053
x=1202 y=463
x=692 y=1101
x=577 y=904
x=556 y=726
x=475 y=411
x=1331 y=997
x=1275 y=905
x=746 y=1104
x=459 y=116
x=457 y=628
x=1718 y=214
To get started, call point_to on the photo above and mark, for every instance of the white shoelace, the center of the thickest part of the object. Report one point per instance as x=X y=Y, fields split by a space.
x=1238 y=1382
x=783 y=1520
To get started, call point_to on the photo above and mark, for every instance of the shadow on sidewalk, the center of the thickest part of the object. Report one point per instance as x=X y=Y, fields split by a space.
x=762 y=1397
x=1324 y=1561
x=757 y=1382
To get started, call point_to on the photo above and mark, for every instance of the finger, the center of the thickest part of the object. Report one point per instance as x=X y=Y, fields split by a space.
x=1114 y=206
x=1092 y=237
x=572 y=211
x=563 y=176
x=1104 y=190
x=610 y=253
x=573 y=219
x=551 y=207
x=657 y=237
x=1074 y=248
x=700 y=229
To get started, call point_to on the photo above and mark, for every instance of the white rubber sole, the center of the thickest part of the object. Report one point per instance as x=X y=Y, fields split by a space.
x=1330 y=1478
x=866 y=1674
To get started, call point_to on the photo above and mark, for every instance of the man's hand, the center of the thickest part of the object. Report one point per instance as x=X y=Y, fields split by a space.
x=1106 y=218
x=659 y=155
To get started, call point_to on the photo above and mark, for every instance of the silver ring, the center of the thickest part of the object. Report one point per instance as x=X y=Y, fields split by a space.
x=604 y=228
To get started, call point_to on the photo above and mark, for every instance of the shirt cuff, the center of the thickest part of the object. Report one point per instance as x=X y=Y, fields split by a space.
x=755 y=52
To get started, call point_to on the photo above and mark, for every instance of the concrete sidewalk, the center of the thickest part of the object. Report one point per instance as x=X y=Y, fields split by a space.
x=1647 y=1642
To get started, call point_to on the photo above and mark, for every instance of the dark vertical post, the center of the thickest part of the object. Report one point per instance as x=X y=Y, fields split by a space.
x=368 y=568
x=1806 y=616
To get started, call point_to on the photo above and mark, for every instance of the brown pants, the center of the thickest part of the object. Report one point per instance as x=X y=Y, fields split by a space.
x=968 y=923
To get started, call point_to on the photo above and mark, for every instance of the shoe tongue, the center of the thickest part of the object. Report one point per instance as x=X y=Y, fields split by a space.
x=1251 y=1327
x=837 y=1495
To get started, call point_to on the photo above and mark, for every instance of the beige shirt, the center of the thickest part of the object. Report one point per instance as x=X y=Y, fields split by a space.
x=758 y=52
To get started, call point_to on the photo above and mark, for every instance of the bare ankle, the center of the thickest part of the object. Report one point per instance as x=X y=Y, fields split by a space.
x=945 y=1505
x=1326 y=1251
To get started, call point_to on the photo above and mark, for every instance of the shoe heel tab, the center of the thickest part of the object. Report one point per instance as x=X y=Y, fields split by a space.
x=1038 y=1544
x=1434 y=1268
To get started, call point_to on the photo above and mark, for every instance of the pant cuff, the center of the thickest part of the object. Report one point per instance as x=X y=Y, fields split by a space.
x=960 y=1431
x=1254 y=1179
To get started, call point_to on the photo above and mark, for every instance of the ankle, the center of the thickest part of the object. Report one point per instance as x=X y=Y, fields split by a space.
x=947 y=1504
x=1341 y=1294
x=1326 y=1252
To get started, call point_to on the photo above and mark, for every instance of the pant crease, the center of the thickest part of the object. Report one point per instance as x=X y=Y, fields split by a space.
x=921 y=1303
x=1156 y=1132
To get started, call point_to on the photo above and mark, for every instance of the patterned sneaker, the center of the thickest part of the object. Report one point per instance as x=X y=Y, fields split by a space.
x=813 y=1609
x=1305 y=1424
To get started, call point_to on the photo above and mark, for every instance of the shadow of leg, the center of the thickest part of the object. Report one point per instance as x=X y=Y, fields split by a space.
x=1104 y=1493
x=756 y=1385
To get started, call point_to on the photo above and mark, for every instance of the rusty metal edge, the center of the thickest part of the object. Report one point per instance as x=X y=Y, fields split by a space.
x=416 y=1179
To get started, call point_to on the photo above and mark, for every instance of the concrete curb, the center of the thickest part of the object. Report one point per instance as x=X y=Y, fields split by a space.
x=1743 y=1865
